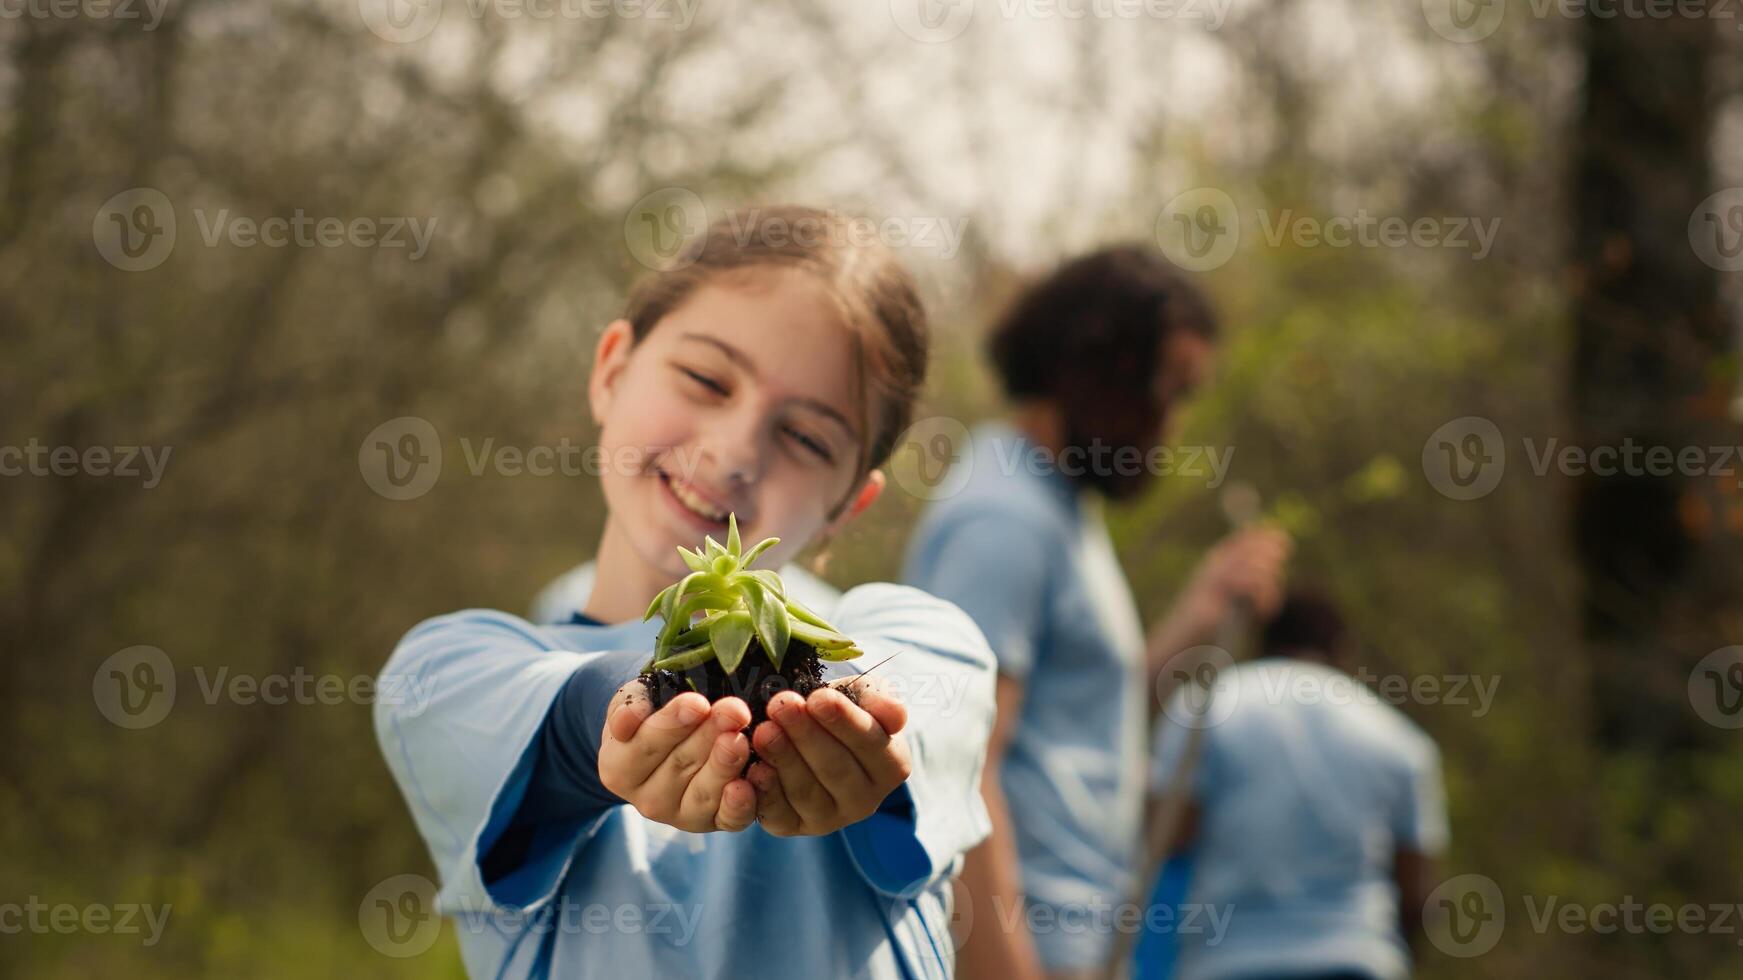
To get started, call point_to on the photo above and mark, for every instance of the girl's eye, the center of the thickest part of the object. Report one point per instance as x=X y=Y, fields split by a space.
x=704 y=380
x=811 y=445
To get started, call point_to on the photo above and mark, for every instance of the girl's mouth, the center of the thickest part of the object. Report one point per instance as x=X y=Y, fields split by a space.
x=691 y=504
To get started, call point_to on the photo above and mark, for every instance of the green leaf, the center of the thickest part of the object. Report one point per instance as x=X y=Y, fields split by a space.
x=712 y=548
x=732 y=633
x=773 y=627
x=681 y=616
x=840 y=653
x=819 y=638
x=659 y=601
x=756 y=551
x=805 y=615
x=733 y=545
x=694 y=560
x=693 y=635
x=685 y=659
x=771 y=582
x=695 y=583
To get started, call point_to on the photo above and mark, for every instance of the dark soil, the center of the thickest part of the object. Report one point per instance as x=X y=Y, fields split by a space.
x=756 y=681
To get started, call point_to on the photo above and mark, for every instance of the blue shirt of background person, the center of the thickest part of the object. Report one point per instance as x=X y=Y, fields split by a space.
x=1316 y=811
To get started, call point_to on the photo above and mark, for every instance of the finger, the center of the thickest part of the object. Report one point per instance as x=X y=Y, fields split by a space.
x=883 y=758
x=661 y=733
x=672 y=777
x=773 y=811
x=804 y=793
x=874 y=698
x=835 y=767
x=700 y=804
x=630 y=706
x=738 y=805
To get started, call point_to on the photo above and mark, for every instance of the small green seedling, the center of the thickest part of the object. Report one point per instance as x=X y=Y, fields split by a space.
x=737 y=605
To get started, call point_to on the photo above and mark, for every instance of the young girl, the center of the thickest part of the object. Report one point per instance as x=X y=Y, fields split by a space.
x=768 y=376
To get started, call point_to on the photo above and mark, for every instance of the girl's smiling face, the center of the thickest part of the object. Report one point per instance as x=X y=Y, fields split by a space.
x=744 y=399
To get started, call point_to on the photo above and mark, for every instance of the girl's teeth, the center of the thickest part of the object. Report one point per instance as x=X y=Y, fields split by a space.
x=694 y=502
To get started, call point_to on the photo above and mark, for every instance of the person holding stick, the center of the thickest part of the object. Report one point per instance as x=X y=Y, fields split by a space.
x=1094 y=358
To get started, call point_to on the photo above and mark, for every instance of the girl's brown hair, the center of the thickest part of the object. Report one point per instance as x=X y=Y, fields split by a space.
x=872 y=292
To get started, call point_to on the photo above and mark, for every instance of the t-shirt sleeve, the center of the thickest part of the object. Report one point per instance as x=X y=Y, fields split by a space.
x=1420 y=823
x=994 y=567
x=462 y=742
x=944 y=675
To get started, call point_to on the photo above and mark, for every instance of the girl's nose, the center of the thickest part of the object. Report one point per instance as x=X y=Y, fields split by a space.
x=734 y=444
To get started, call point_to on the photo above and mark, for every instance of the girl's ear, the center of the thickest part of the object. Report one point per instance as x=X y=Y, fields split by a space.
x=610 y=357
x=869 y=491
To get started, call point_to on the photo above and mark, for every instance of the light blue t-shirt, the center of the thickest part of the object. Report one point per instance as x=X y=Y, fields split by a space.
x=1307 y=785
x=617 y=895
x=1027 y=555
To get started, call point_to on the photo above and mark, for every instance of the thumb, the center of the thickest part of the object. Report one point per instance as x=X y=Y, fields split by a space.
x=629 y=708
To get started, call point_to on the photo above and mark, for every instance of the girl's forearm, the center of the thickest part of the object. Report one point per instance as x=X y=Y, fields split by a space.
x=564 y=784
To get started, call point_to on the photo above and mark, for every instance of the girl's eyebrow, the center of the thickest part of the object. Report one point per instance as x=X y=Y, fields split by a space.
x=737 y=357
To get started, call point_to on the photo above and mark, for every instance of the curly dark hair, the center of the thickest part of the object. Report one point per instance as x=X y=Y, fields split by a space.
x=1090 y=338
x=1308 y=621
x=1104 y=312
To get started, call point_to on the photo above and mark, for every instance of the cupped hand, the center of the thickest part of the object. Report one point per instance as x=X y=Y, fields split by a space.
x=680 y=765
x=825 y=762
